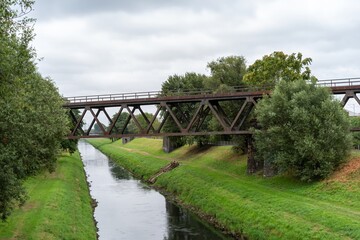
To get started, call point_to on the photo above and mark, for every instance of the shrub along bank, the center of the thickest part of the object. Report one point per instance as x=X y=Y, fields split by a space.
x=58 y=207
x=213 y=182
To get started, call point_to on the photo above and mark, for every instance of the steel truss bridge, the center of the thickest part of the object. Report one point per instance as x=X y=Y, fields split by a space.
x=168 y=107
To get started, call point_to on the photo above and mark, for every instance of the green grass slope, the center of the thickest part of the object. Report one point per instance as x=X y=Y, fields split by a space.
x=59 y=206
x=214 y=183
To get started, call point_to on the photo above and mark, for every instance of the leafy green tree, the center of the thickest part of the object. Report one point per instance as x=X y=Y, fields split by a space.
x=44 y=124
x=180 y=84
x=304 y=131
x=32 y=120
x=70 y=145
x=278 y=66
x=183 y=83
x=15 y=62
x=226 y=72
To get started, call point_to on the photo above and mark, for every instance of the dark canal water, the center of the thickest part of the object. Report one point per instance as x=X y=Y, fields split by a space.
x=129 y=210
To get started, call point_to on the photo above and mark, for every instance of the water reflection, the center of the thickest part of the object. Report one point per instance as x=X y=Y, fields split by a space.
x=184 y=225
x=128 y=209
x=119 y=172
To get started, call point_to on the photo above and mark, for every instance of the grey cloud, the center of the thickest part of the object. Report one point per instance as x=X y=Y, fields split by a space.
x=60 y=8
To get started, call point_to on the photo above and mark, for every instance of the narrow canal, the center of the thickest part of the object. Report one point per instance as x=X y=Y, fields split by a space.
x=129 y=210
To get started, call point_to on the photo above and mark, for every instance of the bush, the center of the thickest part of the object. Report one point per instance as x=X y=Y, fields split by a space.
x=304 y=131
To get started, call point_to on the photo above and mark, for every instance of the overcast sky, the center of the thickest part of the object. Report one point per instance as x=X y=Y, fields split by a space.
x=114 y=46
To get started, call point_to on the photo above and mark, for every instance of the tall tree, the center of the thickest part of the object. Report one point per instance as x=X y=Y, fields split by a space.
x=70 y=145
x=226 y=72
x=32 y=120
x=179 y=84
x=304 y=131
x=278 y=66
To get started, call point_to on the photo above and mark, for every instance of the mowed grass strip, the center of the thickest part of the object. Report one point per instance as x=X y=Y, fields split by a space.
x=59 y=206
x=213 y=181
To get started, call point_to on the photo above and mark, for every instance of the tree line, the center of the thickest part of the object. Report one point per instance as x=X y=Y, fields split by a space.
x=300 y=130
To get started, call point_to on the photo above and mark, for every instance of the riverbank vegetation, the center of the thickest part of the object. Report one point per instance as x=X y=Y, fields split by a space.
x=299 y=129
x=58 y=205
x=32 y=119
x=213 y=182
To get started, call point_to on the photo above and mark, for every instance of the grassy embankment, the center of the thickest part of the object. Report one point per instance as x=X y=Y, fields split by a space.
x=59 y=206
x=214 y=183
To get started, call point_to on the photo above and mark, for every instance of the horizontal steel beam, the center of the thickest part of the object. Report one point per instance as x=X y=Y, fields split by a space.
x=163 y=134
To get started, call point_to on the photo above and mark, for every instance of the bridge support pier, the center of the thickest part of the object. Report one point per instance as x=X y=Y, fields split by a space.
x=126 y=140
x=168 y=145
x=253 y=165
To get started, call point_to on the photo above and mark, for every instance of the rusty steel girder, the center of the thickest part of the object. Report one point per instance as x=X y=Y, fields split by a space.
x=171 y=108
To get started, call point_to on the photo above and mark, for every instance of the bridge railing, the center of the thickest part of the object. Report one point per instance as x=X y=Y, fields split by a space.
x=113 y=97
x=339 y=82
x=156 y=94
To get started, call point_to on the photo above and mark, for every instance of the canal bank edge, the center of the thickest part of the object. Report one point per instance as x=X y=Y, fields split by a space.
x=58 y=207
x=213 y=183
x=93 y=202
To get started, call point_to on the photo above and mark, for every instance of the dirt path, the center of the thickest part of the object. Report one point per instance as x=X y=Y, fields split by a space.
x=344 y=174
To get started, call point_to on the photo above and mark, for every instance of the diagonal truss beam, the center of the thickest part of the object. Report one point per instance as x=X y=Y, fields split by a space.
x=218 y=116
x=195 y=117
x=75 y=121
x=113 y=123
x=174 y=117
x=132 y=116
x=127 y=120
x=183 y=116
x=222 y=113
x=166 y=116
x=202 y=116
x=93 y=121
x=97 y=121
x=150 y=124
x=78 y=124
x=246 y=115
x=238 y=114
